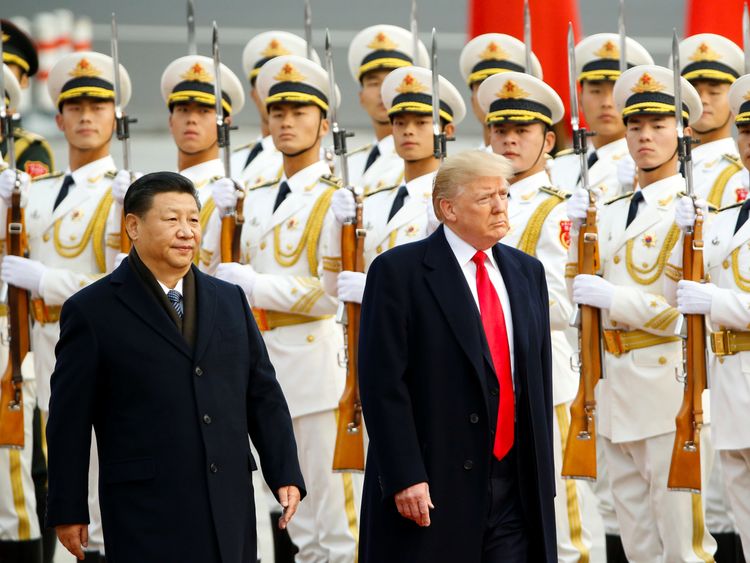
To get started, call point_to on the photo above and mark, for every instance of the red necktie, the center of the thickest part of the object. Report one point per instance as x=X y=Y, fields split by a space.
x=493 y=321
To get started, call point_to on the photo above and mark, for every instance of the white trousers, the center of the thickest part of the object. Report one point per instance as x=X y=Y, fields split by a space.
x=573 y=533
x=326 y=526
x=736 y=469
x=657 y=525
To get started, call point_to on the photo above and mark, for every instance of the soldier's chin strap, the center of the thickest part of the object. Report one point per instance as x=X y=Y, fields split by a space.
x=652 y=168
x=707 y=131
x=538 y=156
x=315 y=142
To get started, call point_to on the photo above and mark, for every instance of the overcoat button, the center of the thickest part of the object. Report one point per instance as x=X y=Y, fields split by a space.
x=468 y=464
x=473 y=418
x=198 y=371
x=213 y=468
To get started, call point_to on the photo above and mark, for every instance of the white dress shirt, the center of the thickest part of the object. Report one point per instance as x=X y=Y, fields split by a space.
x=177 y=287
x=464 y=253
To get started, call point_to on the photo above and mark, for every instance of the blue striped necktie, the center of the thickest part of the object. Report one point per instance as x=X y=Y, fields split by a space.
x=175 y=297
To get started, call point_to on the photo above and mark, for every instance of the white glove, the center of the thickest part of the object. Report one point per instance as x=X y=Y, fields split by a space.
x=238 y=274
x=695 y=298
x=343 y=206
x=121 y=183
x=577 y=206
x=432 y=221
x=351 y=286
x=684 y=212
x=8 y=182
x=593 y=291
x=225 y=194
x=118 y=259
x=22 y=272
x=626 y=173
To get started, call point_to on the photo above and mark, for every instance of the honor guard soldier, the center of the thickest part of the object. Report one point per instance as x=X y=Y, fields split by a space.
x=66 y=215
x=373 y=53
x=611 y=170
x=711 y=63
x=282 y=255
x=33 y=153
x=395 y=215
x=640 y=396
x=260 y=161
x=187 y=86
x=489 y=54
x=521 y=111
x=20 y=530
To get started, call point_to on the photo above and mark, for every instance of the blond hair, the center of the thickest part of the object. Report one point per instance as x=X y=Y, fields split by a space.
x=458 y=170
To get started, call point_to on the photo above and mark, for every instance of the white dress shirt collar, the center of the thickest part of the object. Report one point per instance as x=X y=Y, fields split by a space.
x=306 y=177
x=177 y=287
x=92 y=171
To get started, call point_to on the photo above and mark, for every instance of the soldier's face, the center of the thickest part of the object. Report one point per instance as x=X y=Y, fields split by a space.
x=87 y=123
x=715 y=99
x=412 y=135
x=598 y=106
x=296 y=127
x=370 y=98
x=524 y=144
x=193 y=127
x=652 y=139
x=169 y=234
x=743 y=144
x=479 y=211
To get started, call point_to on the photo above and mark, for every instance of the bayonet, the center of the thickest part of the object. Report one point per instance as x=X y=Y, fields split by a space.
x=192 y=42
x=222 y=126
x=438 y=135
x=123 y=121
x=623 y=38
x=683 y=141
x=746 y=36
x=414 y=33
x=308 y=29
x=339 y=135
x=6 y=117
x=527 y=36
x=580 y=135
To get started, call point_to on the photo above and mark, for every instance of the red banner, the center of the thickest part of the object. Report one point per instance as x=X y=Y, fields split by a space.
x=722 y=17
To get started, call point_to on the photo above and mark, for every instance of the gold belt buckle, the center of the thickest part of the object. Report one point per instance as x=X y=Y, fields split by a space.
x=721 y=342
x=613 y=342
x=261 y=319
x=39 y=310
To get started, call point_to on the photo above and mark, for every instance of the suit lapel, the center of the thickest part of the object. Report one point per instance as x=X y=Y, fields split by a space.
x=134 y=294
x=205 y=293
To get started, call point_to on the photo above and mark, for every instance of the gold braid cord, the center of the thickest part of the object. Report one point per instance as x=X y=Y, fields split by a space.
x=717 y=190
x=530 y=237
x=656 y=270
x=95 y=228
x=742 y=282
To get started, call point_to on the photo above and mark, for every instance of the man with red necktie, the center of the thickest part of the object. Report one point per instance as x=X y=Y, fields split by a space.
x=455 y=377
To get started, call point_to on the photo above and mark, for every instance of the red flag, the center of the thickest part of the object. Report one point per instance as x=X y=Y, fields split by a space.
x=722 y=17
x=549 y=32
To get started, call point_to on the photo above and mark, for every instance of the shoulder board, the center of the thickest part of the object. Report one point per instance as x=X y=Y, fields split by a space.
x=48 y=176
x=739 y=204
x=363 y=148
x=332 y=180
x=733 y=158
x=249 y=145
x=619 y=197
x=110 y=174
x=564 y=152
x=263 y=184
x=382 y=189
x=20 y=133
x=562 y=194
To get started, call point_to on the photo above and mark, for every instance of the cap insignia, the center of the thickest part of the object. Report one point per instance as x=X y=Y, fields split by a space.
x=512 y=91
x=84 y=68
x=704 y=52
x=647 y=84
x=197 y=73
x=381 y=42
x=274 y=49
x=493 y=52
x=410 y=85
x=608 y=51
x=288 y=73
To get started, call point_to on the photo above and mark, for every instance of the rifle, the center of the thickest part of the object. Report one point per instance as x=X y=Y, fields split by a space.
x=440 y=149
x=192 y=42
x=123 y=129
x=349 y=453
x=413 y=25
x=685 y=468
x=527 y=37
x=579 y=461
x=308 y=31
x=231 y=223
x=11 y=384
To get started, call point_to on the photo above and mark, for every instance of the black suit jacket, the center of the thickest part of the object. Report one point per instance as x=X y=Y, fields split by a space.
x=171 y=422
x=429 y=395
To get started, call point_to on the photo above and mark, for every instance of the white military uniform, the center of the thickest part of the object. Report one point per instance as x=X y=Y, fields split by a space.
x=540 y=227
x=565 y=169
x=387 y=170
x=286 y=249
x=737 y=188
x=639 y=396
x=727 y=260
x=714 y=164
x=264 y=167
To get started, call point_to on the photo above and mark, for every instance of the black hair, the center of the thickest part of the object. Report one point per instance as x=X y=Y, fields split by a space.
x=140 y=195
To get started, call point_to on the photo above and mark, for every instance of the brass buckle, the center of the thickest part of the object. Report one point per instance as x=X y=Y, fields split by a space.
x=613 y=342
x=720 y=342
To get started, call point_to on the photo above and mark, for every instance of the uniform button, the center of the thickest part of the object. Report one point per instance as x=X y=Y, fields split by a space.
x=616 y=259
x=198 y=371
x=206 y=419
x=468 y=464
x=262 y=244
x=473 y=418
x=310 y=337
x=662 y=360
x=725 y=264
x=213 y=468
x=45 y=238
x=494 y=391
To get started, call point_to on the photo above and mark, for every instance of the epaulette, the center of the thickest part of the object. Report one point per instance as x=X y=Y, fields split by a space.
x=48 y=176
x=110 y=173
x=332 y=180
x=264 y=184
x=363 y=148
x=562 y=194
x=726 y=207
x=619 y=197
x=21 y=133
x=249 y=145
x=733 y=158
x=213 y=179
x=381 y=189
x=564 y=152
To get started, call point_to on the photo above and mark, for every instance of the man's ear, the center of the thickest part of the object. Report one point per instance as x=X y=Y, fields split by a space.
x=688 y=131
x=446 y=210
x=132 y=226
x=449 y=129
x=59 y=121
x=549 y=140
x=324 y=126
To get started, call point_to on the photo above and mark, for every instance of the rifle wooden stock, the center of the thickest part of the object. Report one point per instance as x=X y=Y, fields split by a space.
x=685 y=468
x=349 y=454
x=231 y=232
x=11 y=385
x=124 y=238
x=579 y=459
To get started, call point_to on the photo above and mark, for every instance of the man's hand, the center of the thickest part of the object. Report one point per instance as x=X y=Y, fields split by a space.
x=74 y=537
x=243 y=275
x=351 y=286
x=121 y=183
x=8 y=184
x=343 y=205
x=225 y=194
x=414 y=503
x=289 y=498
x=22 y=272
